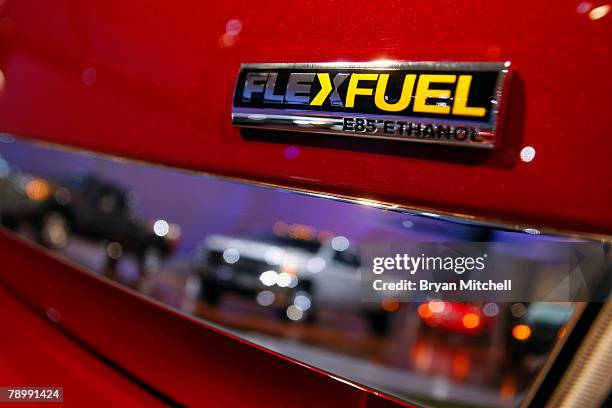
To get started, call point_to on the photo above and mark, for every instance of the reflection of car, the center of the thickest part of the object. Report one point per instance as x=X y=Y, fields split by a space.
x=20 y=195
x=295 y=276
x=538 y=330
x=92 y=208
x=462 y=318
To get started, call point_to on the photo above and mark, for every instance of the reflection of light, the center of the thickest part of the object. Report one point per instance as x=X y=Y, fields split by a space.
x=316 y=264
x=390 y=305
x=302 y=300
x=174 y=232
x=527 y=154
x=6 y=138
x=340 y=243
x=233 y=26
x=561 y=332
x=490 y=309
x=424 y=311
x=226 y=40
x=532 y=231
x=268 y=278
x=273 y=256
x=369 y=203
x=518 y=309
x=88 y=76
x=436 y=306
x=308 y=122
x=265 y=298
x=521 y=332
x=37 y=189
x=53 y=314
x=289 y=266
x=295 y=313
x=382 y=62
x=325 y=236
x=291 y=152
x=161 y=228
x=114 y=250
x=407 y=224
x=470 y=320
x=461 y=366
x=280 y=228
x=507 y=390
x=342 y=380
x=599 y=12
x=299 y=231
x=2 y=80
x=284 y=280
x=231 y=255
x=583 y=7
x=232 y=29
x=383 y=205
x=422 y=354
x=57 y=230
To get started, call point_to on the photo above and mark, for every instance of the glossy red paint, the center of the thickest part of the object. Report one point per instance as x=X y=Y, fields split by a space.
x=34 y=353
x=153 y=81
x=191 y=363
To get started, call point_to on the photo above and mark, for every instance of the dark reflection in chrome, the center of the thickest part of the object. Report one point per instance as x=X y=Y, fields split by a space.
x=279 y=269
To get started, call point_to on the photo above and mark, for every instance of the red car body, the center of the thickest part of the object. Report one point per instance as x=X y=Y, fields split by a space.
x=153 y=81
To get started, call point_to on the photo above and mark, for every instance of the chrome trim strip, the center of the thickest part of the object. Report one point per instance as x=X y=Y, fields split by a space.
x=330 y=123
x=429 y=212
x=364 y=202
x=385 y=64
x=587 y=382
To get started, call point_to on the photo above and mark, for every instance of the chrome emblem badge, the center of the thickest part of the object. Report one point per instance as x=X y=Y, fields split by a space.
x=453 y=103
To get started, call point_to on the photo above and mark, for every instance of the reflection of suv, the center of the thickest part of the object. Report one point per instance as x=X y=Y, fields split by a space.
x=297 y=277
x=20 y=195
x=92 y=208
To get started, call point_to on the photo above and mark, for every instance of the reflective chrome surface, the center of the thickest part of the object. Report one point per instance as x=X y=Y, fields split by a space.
x=279 y=269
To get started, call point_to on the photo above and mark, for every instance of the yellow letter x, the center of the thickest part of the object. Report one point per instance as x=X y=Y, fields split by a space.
x=326 y=88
